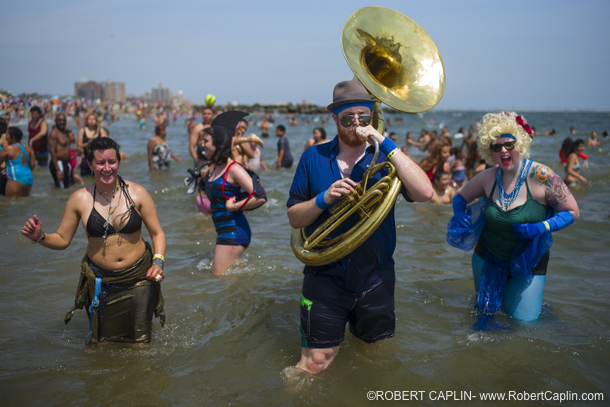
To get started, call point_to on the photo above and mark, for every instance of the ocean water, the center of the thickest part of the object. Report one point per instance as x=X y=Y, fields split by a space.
x=228 y=340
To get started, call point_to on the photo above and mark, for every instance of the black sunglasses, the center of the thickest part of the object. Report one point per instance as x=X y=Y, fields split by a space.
x=349 y=119
x=509 y=145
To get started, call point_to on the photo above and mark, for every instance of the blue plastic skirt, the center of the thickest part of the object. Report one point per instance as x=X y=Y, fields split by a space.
x=495 y=273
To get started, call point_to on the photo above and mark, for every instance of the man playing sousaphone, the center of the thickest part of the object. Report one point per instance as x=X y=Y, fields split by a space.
x=358 y=288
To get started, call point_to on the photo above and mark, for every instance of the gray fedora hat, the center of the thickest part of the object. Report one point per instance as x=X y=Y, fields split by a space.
x=349 y=92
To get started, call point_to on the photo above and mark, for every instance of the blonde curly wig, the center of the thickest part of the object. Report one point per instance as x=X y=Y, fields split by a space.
x=494 y=125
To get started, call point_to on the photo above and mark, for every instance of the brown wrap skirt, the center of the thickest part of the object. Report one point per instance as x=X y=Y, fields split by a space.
x=127 y=301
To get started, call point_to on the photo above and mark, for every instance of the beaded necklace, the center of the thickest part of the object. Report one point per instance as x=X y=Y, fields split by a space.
x=345 y=174
x=507 y=200
x=112 y=191
x=110 y=217
x=111 y=211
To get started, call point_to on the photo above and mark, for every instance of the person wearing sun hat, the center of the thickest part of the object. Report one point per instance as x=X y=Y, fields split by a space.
x=526 y=201
x=359 y=288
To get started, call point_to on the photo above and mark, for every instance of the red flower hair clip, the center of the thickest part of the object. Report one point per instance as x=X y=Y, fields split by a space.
x=521 y=122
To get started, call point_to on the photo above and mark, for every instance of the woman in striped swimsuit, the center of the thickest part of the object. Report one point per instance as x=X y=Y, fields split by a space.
x=223 y=183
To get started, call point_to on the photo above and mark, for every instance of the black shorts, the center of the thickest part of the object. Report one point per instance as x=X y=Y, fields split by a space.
x=326 y=308
x=2 y=182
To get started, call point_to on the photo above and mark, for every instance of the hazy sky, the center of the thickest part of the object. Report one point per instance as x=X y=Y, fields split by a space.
x=497 y=54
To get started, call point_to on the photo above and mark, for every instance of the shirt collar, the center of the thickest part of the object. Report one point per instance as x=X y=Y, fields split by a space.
x=364 y=162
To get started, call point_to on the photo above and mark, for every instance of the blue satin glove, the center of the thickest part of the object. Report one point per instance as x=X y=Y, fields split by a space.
x=459 y=211
x=529 y=230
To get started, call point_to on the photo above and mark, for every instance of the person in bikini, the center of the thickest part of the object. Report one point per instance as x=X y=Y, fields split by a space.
x=92 y=130
x=437 y=160
x=593 y=141
x=120 y=273
x=573 y=177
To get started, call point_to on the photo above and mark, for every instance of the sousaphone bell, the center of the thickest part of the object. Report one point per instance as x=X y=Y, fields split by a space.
x=399 y=64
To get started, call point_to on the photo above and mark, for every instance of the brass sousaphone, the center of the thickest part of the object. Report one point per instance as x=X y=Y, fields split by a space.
x=399 y=64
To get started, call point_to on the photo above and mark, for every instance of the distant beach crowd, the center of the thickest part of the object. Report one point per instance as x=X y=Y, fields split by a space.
x=451 y=157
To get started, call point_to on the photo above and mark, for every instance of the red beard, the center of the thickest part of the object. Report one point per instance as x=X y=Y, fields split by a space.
x=350 y=139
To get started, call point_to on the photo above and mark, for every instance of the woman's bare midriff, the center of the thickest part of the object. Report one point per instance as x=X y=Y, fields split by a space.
x=121 y=250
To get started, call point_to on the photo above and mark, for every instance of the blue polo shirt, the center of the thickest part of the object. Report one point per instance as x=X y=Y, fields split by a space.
x=371 y=263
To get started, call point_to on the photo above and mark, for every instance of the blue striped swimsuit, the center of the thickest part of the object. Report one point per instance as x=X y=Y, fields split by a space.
x=232 y=227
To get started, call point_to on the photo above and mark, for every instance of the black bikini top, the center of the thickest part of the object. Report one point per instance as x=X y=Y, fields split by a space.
x=96 y=222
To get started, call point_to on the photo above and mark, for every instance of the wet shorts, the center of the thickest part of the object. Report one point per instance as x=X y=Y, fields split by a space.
x=326 y=308
x=66 y=169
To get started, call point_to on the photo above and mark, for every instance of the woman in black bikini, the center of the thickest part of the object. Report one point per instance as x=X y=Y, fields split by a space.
x=119 y=281
x=92 y=130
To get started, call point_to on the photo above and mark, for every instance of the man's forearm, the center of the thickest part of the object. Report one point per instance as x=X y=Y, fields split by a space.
x=303 y=214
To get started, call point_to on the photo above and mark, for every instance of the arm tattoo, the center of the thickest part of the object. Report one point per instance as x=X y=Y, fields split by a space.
x=556 y=190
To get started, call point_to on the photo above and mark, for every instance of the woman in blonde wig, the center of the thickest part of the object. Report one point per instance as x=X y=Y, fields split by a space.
x=526 y=201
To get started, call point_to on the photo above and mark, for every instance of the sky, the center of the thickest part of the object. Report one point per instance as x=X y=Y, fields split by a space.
x=533 y=54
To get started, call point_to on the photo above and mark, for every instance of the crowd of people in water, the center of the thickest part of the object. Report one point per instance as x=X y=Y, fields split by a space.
x=113 y=210
x=451 y=158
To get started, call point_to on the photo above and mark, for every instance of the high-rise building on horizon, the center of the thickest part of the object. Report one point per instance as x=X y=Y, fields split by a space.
x=159 y=94
x=115 y=91
x=109 y=90
x=179 y=98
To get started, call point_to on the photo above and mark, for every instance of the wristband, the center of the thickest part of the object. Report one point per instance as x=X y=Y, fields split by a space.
x=159 y=256
x=158 y=262
x=387 y=146
x=392 y=153
x=320 y=202
x=39 y=240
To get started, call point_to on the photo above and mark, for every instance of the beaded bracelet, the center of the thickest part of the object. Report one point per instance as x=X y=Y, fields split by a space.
x=39 y=240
